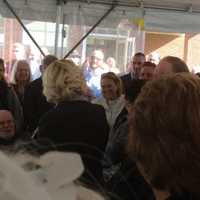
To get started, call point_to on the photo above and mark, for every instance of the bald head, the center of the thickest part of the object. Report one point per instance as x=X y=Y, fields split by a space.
x=170 y=64
x=7 y=125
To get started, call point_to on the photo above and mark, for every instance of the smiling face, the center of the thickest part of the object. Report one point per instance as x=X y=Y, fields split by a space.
x=109 y=89
x=147 y=73
x=7 y=126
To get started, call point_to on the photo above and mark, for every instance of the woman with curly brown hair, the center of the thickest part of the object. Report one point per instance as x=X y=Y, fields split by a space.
x=165 y=135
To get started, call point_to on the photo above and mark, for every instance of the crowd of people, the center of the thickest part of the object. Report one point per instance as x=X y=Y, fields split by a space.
x=136 y=134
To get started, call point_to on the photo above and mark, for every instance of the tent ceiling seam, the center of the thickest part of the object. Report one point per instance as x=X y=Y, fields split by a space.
x=139 y=4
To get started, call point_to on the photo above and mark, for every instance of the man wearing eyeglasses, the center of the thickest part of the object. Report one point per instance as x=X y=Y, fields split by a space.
x=136 y=65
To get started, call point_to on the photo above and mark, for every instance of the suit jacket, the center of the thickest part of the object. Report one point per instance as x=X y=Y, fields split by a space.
x=77 y=126
x=35 y=104
x=126 y=79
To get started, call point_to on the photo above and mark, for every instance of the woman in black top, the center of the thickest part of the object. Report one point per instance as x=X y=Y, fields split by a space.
x=73 y=124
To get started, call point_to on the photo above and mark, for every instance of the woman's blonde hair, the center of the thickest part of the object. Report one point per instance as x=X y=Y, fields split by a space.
x=63 y=80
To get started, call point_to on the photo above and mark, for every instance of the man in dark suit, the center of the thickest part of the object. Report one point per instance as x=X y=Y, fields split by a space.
x=136 y=64
x=35 y=104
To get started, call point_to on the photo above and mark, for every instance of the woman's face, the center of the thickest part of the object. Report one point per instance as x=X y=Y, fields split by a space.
x=108 y=89
x=23 y=72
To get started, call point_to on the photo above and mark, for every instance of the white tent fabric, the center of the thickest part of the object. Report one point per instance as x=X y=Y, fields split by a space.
x=169 y=21
x=88 y=14
x=181 y=5
x=165 y=15
x=38 y=10
x=74 y=12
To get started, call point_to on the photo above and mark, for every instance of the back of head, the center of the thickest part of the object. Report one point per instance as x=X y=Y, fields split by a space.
x=63 y=80
x=165 y=129
x=178 y=65
x=49 y=59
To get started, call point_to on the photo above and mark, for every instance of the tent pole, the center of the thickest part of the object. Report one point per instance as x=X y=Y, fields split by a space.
x=23 y=26
x=59 y=15
x=91 y=29
x=63 y=35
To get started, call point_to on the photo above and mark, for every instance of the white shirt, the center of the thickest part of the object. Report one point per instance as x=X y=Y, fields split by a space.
x=112 y=108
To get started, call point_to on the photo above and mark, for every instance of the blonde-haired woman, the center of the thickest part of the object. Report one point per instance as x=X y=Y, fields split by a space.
x=63 y=81
x=20 y=78
x=112 y=99
x=74 y=124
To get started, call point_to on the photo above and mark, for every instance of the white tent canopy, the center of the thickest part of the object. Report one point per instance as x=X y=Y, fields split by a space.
x=165 y=15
